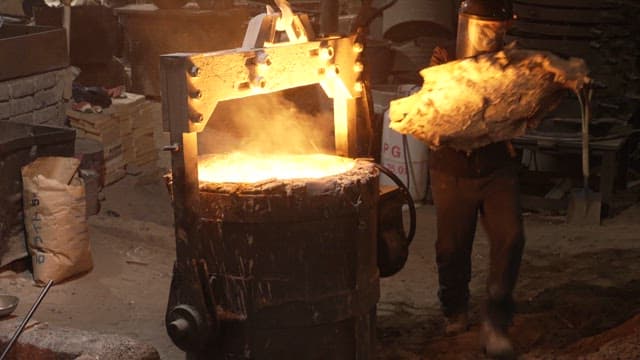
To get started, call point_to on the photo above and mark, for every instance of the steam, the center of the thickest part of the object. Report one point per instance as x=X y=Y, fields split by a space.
x=268 y=124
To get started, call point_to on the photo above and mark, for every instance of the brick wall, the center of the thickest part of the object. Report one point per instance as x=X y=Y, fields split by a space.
x=36 y=99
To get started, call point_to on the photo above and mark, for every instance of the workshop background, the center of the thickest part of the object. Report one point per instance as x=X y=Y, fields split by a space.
x=83 y=90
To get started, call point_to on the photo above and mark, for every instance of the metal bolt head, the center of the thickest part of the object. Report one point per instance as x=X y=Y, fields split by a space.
x=196 y=118
x=262 y=58
x=357 y=48
x=358 y=67
x=194 y=71
x=259 y=82
x=326 y=53
x=172 y=147
x=358 y=87
x=197 y=94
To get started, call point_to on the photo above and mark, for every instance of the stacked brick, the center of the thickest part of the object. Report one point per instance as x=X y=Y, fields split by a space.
x=134 y=114
x=36 y=99
x=126 y=132
x=102 y=128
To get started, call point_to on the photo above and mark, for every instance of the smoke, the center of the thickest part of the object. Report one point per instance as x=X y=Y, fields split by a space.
x=270 y=124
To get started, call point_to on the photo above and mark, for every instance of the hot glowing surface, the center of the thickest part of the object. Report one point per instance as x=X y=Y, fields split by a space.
x=250 y=168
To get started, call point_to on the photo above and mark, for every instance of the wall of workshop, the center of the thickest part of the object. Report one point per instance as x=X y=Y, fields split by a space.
x=36 y=99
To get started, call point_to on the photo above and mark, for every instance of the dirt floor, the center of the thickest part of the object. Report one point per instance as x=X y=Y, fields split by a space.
x=578 y=294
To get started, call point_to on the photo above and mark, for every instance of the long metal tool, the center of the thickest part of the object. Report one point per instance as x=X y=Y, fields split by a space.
x=585 y=205
x=26 y=320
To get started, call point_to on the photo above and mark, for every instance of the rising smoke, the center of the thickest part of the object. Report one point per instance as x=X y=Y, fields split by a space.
x=290 y=123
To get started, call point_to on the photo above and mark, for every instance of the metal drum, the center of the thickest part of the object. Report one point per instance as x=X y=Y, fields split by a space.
x=292 y=267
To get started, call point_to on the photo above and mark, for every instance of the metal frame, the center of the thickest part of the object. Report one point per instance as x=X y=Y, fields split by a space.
x=193 y=84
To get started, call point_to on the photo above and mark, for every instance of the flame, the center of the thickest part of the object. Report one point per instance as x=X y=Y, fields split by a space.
x=240 y=167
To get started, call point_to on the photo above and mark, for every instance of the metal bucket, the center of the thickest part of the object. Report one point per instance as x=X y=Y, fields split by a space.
x=291 y=266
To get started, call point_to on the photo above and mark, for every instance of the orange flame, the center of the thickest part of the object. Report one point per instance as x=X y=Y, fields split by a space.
x=239 y=167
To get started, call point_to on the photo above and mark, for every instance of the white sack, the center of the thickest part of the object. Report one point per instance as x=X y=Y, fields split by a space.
x=55 y=219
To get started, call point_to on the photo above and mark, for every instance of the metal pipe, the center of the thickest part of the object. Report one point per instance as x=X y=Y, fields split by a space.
x=329 y=11
x=26 y=319
x=66 y=24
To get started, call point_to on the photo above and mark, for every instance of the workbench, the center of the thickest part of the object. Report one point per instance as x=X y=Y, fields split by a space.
x=611 y=151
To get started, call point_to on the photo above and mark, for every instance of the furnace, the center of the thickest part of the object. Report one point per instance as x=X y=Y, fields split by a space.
x=271 y=266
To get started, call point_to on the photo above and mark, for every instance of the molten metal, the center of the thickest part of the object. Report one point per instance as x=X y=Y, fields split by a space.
x=250 y=168
x=466 y=104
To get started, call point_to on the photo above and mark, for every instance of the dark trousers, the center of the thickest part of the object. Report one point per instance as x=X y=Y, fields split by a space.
x=458 y=202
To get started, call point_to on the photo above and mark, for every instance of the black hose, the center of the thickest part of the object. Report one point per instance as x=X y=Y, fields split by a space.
x=407 y=159
x=410 y=203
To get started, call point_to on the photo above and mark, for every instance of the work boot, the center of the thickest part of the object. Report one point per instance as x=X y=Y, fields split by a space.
x=497 y=344
x=456 y=324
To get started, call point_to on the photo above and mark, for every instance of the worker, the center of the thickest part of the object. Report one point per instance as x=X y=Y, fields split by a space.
x=481 y=182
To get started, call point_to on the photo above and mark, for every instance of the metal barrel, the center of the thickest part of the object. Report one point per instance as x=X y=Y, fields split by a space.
x=293 y=267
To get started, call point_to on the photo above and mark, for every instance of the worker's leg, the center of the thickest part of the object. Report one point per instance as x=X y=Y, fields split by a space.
x=456 y=209
x=502 y=218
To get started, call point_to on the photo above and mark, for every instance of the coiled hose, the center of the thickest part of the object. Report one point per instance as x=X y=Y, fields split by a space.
x=407 y=195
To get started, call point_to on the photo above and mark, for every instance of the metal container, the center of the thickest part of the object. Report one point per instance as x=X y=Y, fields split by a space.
x=289 y=269
x=274 y=269
x=92 y=171
x=8 y=303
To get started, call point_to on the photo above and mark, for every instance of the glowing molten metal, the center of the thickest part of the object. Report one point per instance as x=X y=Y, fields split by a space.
x=469 y=103
x=250 y=168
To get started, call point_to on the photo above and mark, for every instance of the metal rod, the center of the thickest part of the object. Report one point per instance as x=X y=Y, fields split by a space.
x=26 y=319
x=66 y=24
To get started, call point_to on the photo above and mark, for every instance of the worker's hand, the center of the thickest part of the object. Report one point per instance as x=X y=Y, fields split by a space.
x=439 y=56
